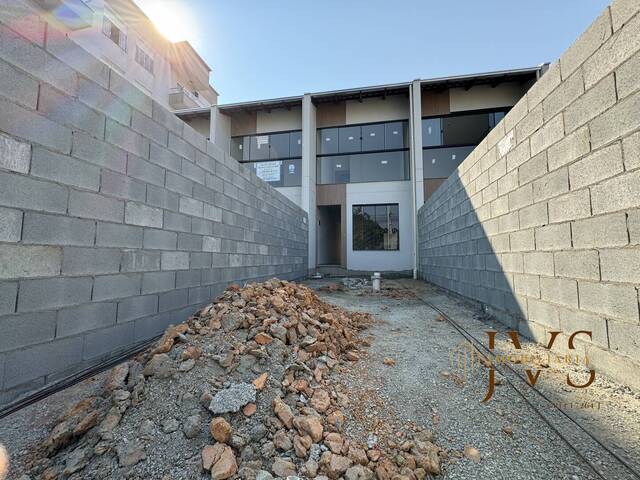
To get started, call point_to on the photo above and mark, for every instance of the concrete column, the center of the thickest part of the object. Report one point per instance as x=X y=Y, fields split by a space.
x=309 y=172
x=220 y=129
x=417 y=180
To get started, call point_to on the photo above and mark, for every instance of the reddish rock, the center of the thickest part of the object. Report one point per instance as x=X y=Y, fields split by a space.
x=283 y=468
x=263 y=338
x=320 y=400
x=261 y=381
x=309 y=425
x=220 y=460
x=283 y=412
x=220 y=430
x=249 y=409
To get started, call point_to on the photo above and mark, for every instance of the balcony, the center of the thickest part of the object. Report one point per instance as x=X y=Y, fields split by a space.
x=75 y=14
x=181 y=98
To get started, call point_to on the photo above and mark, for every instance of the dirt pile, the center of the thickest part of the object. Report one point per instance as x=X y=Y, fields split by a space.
x=243 y=389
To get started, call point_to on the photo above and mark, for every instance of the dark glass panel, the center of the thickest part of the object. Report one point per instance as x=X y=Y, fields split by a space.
x=441 y=162
x=295 y=144
x=373 y=137
x=279 y=145
x=327 y=141
x=431 y=132
x=349 y=139
x=396 y=135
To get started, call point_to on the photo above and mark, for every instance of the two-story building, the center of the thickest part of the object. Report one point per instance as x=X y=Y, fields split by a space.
x=362 y=161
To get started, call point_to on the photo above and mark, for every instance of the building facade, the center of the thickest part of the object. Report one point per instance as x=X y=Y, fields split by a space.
x=121 y=35
x=362 y=161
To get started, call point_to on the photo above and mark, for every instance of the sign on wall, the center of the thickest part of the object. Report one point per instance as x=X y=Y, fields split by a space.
x=268 y=171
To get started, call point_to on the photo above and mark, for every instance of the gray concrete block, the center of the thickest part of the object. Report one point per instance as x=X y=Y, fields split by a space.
x=620 y=265
x=571 y=206
x=201 y=226
x=189 y=242
x=164 y=117
x=538 y=263
x=165 y=158
x=182 y=148
x=547 y=83
x=177 y=221
x=65 y=170
x=173 y=300
x=533 y=215
x=122 y=186
x=155 y=282
x=104 y=101
x=116 y=235
x=53 y=293
x=127 y=139
x=93 y=205
x=200 y=260
x=39 y=360
x=631 y=147
x=10 y=225
x=68 y=111
x=8 y=297
x=145 y=171
x=19 y=261
x=179 y=184
x=98 y=152
x=570 y=148
x=633 y=224
x=553 y=237
x=193 y=172
x=603 y=231
x=90 y=261
x=551 y=185
x=143 y=215
x=109 y=287
x=200 y=192
x=150 y=129
x=586 y=45
x=194 y=138
x=174 y=261
x=23 y=54
x=595 y=101
x=130 y=93
x=33 y=127
x=205 y=161
x=150 y=327
x=617 y=122
x=550 y=133
x=214 y=182
x=160 y=197
x=160 y=239
x=627 y=80
x=108 y=340
x=14 y=155
x=580 y=264
x=568 y=91
x=57 y=230
x=137 y=307
x=625 y=339
x=188 y=278
x=617 y=301
x=191 y=206
x=26 y=329
x=140 y=261
x=212 y=213
x=617 y=193
x=75 y=320
x=562 y=291
x=211 y=244
x=17 y=86
x=199 y=295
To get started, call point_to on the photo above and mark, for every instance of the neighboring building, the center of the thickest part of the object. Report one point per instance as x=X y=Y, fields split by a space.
x=121 y=35
x=362 y=161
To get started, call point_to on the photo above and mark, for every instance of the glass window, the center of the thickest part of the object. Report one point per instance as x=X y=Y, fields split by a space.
x=465 y=129
x=349 y=139
x=441 y=162
x=116 y=35
x=259 y=147
x=333 y=169
x=144 y=59
x=295 y=144
x=279 y=145
x=327 y=141
x=363 y=167
x=373 y=137
x=376 y=227
x=396 y=135
x=279 y=173
x=431 y=132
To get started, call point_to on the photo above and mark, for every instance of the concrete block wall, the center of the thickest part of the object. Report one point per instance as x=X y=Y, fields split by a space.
x=116 y=218
x=542 y=221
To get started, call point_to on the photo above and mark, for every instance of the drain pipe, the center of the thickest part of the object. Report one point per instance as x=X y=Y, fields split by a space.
x=375 y=281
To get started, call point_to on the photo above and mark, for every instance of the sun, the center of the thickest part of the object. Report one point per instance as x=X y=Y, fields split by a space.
x=170 y=17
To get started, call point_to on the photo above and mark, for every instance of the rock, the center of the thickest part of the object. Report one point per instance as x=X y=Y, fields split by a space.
x=311 y=425
x=283 y=412
x=261 y=381
x=117 y=377
x=249 y=409
x=282 y=441
x=279 y=332
x=426 y=457
x=419 y=473
x=220 y=460
x=232 y=321
x=205 y=399
x=283 y=467
x=192 y=426
x=320 y=400
x=257 y=432
x=191 y=352
x=358 y=455
x=147 y=429
x=220 y=430
x=389 y=362
x=507 y=429
x=263 y=339
x=334 y=441
x=160 y=366
x=301 y=445
x=358 y=472
x=335 y=465
x=263 y=475
x=472 y=453
x=129 y=455
x=373 y=454
x=76 y=460
x=268 y=450
x=385 y=470
x=233 y=398
x=336 y=419
x=59 y=437
x=170 y=425
x=311 y=468
x=187 y=365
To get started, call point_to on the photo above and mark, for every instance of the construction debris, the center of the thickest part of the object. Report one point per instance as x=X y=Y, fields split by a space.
x=244 y=389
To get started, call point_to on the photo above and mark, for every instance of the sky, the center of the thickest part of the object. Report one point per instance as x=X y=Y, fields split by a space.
x=260 y=49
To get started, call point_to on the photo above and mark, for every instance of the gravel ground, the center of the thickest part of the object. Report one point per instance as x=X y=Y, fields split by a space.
x=424 y=389
x=513 y=441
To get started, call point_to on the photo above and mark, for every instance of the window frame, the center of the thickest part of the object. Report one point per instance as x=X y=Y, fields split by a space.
x=375 y=205
x=268 y=159
x=142 y=48
x=122 y=35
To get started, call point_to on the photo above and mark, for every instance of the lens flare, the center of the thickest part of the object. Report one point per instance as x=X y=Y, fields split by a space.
x=171 y=18
x=4 y=462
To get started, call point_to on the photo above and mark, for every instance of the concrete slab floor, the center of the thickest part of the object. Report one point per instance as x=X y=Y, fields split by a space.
x=514 y=440
x=426 y=389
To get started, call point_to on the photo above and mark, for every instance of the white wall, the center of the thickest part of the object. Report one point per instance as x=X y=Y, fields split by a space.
x=483 y=96
x=202 y=126
x=393 y=107
x=376 y=193
x=279 y=119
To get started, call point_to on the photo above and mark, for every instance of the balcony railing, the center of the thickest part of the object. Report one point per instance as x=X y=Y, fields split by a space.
x=180 y=98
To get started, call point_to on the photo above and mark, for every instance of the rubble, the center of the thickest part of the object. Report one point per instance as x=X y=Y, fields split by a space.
x=247 y=383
